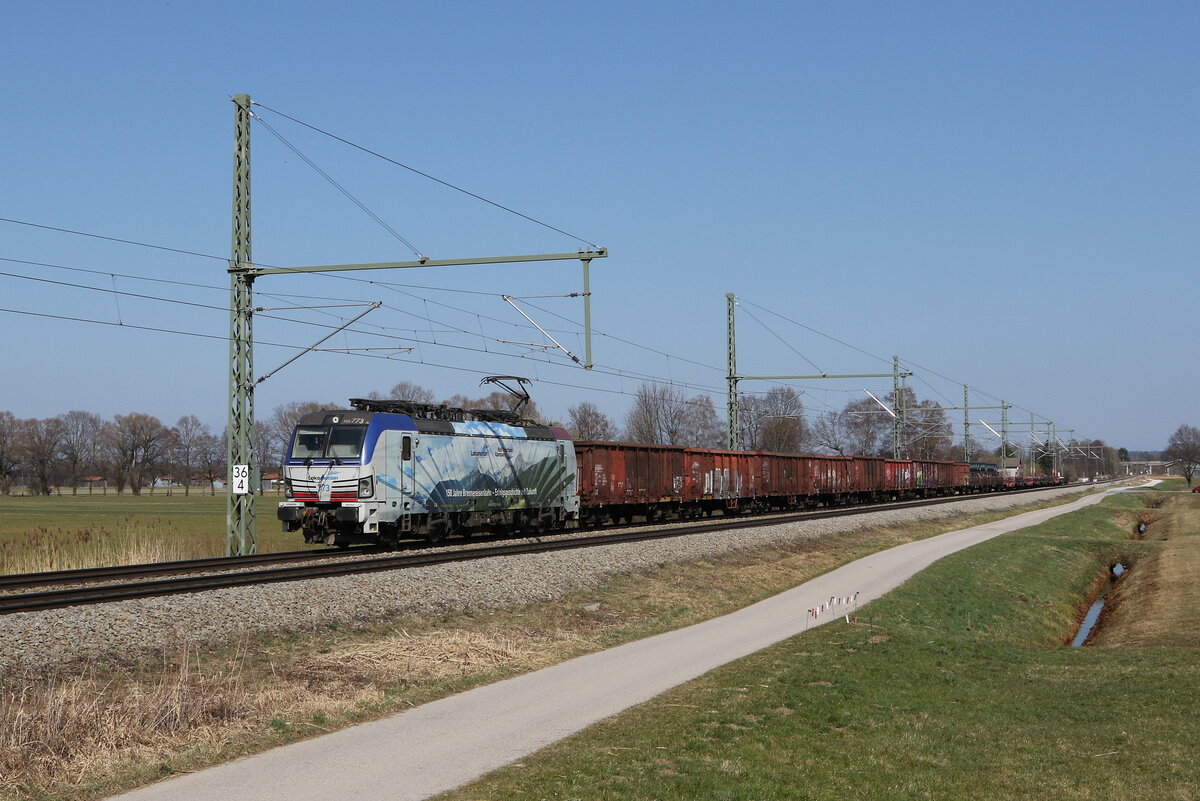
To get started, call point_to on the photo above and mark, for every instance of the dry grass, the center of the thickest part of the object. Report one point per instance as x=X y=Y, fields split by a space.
x=75 y=730
x=82 y=736
x=1156 y=603
x=70 y=736
x=130 y=541
x=438 y=655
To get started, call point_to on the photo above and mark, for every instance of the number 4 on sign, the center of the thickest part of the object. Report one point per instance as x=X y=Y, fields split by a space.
x=241 y=479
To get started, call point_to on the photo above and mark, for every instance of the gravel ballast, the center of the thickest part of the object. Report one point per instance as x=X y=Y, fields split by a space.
x=123 y=631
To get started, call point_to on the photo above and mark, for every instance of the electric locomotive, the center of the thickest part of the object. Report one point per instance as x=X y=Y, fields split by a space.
x=390 y=469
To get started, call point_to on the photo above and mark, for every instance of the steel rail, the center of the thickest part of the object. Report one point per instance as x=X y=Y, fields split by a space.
x=79 y=596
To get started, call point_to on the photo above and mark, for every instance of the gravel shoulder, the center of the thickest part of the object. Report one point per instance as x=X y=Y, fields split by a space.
x=125 y=631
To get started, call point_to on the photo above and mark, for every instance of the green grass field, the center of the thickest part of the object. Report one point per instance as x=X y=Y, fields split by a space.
x=72 y=531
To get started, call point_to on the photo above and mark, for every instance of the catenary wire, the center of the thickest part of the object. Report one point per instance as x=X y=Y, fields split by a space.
x=346 y=278
x=600 y=369
x=815 y=331
x=448 y=328
x=113 y=239
x=425 y=175
x=338 y=186
x=783 y=341
x=119 y=240
x=416 y=340
x=199 y=335
x=264 y=264
x=875 y=356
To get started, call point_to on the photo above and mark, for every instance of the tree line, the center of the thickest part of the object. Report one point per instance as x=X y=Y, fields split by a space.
x=135 y=451
x=132 y=451
x=776 y=420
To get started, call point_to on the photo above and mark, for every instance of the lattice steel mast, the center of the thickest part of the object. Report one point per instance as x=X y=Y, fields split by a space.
x=240 y=434
x=734 y=405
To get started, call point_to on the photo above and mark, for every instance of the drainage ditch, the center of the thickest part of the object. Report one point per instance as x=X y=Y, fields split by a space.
x=1093 y=614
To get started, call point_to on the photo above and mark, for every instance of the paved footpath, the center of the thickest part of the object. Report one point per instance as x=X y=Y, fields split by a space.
x=444 y=744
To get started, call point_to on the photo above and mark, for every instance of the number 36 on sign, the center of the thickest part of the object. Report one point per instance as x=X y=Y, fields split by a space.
x=241 y=479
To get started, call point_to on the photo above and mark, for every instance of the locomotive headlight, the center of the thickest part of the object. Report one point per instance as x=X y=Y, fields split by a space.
x=366 y=487
x=287 y=488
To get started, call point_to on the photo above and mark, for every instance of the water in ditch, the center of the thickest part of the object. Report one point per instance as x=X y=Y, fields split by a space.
x=1093 y=614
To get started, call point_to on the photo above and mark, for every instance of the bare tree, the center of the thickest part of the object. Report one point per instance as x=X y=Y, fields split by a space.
x=588 y=422
x=701 y=426
x=1184 y=448
x=980 y=452
x=663 y=415
x=81 y=445
x=780 y=422
x=867 y=428
x=751 y=414
x=926 y=433
x=829 y=433
x=11 y=455
x=106 y=458
x=1110 y=460
x=272 y=441
x=657 y=415
x=1090 y=458
x=406 y=390
x=773 y=422
x=136 y=445
x=266 y=461
x=43 y=445
x=210 y=454
x=189 y=435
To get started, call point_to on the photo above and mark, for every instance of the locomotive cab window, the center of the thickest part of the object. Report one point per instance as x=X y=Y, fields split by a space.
x=346 y=442
x=328 y=442
x=309 y=442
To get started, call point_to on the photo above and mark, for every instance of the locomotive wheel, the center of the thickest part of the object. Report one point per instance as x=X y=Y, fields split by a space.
x=438 y=527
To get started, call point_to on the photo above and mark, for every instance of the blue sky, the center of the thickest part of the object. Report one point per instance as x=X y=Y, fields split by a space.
x=1002 y=193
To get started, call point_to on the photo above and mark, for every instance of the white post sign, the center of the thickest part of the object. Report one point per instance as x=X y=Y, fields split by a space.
x=241 y=479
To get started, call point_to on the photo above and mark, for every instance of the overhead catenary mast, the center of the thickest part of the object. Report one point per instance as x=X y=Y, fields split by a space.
x=241 y=537
x=733 y=407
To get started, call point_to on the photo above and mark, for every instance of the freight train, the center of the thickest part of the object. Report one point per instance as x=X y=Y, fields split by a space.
x=387 y=470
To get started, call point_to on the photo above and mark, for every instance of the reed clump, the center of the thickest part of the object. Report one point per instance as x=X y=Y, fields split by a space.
x=132 y=540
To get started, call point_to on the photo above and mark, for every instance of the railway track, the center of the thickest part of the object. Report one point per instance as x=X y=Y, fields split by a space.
x=20 y=581
x=199 y=576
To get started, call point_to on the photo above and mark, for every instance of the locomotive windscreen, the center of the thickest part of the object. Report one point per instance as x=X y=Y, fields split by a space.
x=328 y=442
